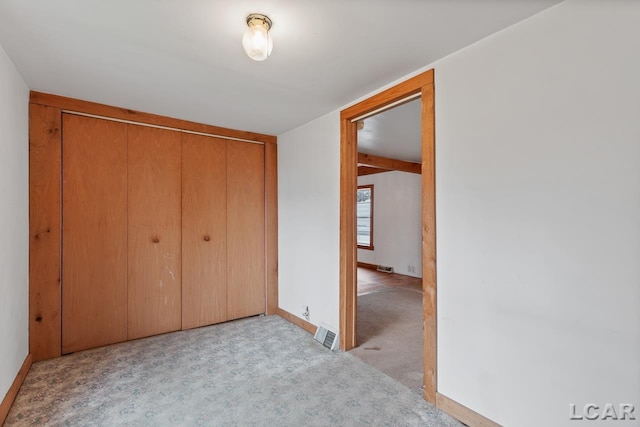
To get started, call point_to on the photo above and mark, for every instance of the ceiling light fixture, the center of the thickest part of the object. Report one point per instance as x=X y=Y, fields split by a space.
x=257 y=41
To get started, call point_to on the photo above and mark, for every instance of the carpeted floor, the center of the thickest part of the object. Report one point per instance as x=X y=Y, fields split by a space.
x=254 y=372
x=390 y=334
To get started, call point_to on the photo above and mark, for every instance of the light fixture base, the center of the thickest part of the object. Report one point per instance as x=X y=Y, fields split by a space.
x=260 y=17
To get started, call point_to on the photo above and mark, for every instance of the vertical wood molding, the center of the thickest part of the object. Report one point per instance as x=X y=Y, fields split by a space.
x=5 y=406
x=421 y=84
x=429 y=286
x=462 y=413
x=348 y=254
x=45 y=130
x=271 y=221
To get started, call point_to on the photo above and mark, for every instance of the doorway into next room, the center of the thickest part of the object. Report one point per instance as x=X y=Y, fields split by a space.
x=389 y=239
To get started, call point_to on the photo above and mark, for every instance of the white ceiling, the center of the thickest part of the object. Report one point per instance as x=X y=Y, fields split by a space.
x=394 y=133
x=184 y=58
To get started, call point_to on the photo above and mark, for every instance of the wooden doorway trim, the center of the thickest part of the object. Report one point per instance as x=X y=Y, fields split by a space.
x=421 y=84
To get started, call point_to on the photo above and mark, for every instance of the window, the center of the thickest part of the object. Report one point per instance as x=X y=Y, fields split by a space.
x=364 y=217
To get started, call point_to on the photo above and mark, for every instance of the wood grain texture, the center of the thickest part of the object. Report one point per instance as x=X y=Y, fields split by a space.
x=429 y=283
x=45 y=145
x=137 y=116
x=271 y=189
x=204 y=231
x=10 y=397
x=309 y=327
x=368 y=170
x=423 y=84
x=94 y=243
x=348 y=249
x=390 y=164
x=245 y=230
x=389 y=96
x=462 y=413
x=154 y=231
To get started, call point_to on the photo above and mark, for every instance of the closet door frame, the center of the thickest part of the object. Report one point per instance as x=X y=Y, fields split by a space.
x=45 y=230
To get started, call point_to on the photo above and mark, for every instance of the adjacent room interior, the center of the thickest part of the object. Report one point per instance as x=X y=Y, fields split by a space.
x=389 y=239
x=179 y=216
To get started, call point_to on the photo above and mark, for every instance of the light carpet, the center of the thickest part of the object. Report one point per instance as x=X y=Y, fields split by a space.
x=253 y=372
x=390 y=334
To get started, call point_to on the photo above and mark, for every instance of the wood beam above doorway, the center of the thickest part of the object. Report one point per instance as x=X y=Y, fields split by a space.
x=370 y=170
x=388 y=164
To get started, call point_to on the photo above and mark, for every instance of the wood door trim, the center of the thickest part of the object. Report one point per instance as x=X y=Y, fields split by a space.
x=45 y=227
x=421 y=84
x=389 y=96
x=109 y=111
x=271 y=226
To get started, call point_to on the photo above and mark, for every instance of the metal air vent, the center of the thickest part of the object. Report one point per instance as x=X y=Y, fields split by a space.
x=327 y=337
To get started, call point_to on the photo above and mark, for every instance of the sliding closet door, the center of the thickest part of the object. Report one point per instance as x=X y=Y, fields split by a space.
x=154 y=303
x=204 y=230
x=245 y=230
x=94 y=242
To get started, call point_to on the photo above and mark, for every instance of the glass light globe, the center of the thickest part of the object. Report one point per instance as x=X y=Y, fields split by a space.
x=257 y=42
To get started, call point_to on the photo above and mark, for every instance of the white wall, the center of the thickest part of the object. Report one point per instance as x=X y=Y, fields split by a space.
x=538 y=215
x=14 y=222
x=309 y=220
x=397 y=224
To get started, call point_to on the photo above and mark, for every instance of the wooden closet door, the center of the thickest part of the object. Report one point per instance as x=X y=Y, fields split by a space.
x=154 y=304
x=246 y=284
x=204 y=231
x=94 y=236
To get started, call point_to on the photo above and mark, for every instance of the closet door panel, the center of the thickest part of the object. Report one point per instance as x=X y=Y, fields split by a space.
x=245 y=229
x=94 y=242
x=204 y=233
x=154 y=194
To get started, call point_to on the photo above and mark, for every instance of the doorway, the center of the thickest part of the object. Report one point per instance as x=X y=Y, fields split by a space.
x=389 y=240
x=420 y=86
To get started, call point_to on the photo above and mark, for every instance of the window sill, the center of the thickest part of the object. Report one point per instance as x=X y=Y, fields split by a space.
x=369 y=248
